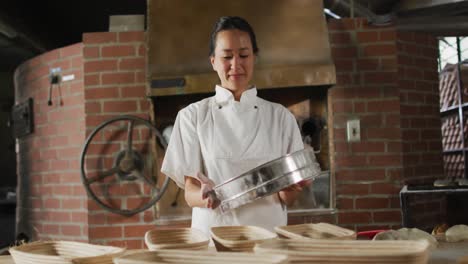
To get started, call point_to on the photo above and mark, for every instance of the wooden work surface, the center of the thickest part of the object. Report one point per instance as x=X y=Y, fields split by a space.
x=446 y=253
x=6 y=260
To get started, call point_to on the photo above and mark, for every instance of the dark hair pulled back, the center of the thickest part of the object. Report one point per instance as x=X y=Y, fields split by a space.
x=229 y=23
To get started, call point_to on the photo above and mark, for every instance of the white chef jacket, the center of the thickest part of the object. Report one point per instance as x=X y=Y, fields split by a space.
x=224 y=138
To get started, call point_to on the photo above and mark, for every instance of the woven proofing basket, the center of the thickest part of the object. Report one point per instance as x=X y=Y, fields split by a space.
x=315 y=231
x=180 y=238
x=64 y=252
x=199 y=257
x=239 y=238
x=348 y=251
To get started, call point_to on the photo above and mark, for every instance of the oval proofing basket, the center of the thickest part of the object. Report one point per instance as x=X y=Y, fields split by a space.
x=199 y=257
x=239 y=238
x=179 y=238
x=348 y=251
x=64 y=252
x=315 y=231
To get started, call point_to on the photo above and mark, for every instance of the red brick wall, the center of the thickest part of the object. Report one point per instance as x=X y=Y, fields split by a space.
x=114 y=76
x=384 y=80
x=418 y=82
x=109 y=81
x=115 y=79
x=52 y=199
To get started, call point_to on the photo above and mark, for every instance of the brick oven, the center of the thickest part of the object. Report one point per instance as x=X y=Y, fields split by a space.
x=385 y=78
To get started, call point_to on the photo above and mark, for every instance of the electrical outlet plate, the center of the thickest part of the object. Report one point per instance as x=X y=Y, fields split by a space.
x=353 y=130
x=69 y=77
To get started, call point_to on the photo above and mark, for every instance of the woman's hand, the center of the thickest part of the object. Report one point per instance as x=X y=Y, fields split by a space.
x=207 y=192
x=199 y=192
x=289 y=194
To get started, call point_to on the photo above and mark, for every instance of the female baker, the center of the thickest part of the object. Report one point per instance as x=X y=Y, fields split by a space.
x=230 y=133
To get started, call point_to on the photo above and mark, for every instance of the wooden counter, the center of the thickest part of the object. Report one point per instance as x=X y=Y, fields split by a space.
x=447 y=252
x=6 y=260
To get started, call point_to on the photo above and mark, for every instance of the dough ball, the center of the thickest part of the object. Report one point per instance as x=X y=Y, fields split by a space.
x=407 y=234
x=389 y=235
x=456 y=233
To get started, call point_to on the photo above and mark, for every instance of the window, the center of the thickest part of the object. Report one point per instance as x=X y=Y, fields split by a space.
x=452 y=50
x=453 y=88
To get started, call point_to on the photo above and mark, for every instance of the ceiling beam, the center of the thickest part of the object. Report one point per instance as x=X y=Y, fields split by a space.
x=411 y=5
x=7 y=30
x=442 y=26
x=12 y=31
x=416 y=5
x=355 y=9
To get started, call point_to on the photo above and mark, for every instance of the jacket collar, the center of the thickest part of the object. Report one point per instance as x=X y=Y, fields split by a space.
x=224 y=96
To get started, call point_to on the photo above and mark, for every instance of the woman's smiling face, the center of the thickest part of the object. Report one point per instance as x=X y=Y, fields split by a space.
x=233 y=60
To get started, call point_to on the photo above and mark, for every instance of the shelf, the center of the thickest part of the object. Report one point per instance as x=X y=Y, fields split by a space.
x=449 y=110
x=7 y=202
x=406 y=190
x=454 y=151
x=453 y=109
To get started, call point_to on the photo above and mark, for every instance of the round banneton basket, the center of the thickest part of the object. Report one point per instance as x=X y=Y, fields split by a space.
x=64 y=252
x=239 y=238
x=315 y=231
x=179 y=238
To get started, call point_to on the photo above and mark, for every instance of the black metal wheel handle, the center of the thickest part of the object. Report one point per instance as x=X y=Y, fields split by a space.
x=130 y=170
